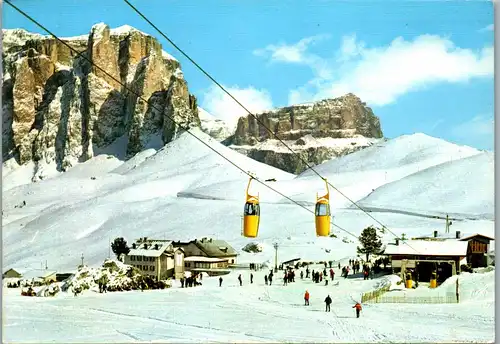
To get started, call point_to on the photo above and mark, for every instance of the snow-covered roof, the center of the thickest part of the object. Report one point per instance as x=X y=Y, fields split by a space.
x=14 y=269
x=215 y=248
x=440 y=235
x=428 y=248
x=203 y=259
x=150 y=250
x=37 y=274
x=475 y=235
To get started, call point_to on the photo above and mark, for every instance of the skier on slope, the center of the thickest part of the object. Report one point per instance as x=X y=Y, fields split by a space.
x=358 y=308
x=251 y=278
x=328 y=302
x=239 y=279
x=220 y=281
x=306 y=298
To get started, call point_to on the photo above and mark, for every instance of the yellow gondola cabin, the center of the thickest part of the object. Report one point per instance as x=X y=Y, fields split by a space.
x=251 y=215
x=322 y=213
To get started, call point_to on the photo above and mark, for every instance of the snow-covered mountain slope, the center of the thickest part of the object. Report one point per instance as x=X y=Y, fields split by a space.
x=184 y=191
x=360 y=173
x=465 y=186
x=411 y=152
x=213 y=126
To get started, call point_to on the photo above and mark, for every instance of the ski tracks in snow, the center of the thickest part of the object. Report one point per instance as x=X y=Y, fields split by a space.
x=172 y=322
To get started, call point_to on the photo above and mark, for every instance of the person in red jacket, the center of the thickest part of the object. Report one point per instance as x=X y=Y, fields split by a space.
x=306 y=298
x=358 y=308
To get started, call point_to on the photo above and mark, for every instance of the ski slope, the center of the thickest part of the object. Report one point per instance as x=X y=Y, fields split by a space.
x=185 y=191
x=462 y=187
x=253 y=313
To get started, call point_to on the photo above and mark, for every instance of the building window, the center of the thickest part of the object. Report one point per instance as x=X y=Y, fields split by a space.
x=178 y=259
x=132 y=258
x=139 y=258
x=152 y=268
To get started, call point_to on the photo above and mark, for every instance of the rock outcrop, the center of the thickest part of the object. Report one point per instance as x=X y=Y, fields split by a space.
x=60 y=109
x=213 y=126
x=316 y=132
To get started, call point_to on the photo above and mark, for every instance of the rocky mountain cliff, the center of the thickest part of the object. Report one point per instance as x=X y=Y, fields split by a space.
x=58 y=109
x=317 y=131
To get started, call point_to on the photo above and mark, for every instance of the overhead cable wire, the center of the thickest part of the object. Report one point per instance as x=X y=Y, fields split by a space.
x=384 y=227
x=186 y=129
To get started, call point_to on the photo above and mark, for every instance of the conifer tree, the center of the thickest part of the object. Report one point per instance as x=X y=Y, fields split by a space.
x=370 y=242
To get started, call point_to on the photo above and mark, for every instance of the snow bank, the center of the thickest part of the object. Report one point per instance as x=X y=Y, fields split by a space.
x=253 y=247
x=10 y=280
x=473 y=287
x=116 y=275
x=393 y=282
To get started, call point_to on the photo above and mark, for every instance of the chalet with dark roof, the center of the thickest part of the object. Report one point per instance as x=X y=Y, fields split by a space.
x=208 y=247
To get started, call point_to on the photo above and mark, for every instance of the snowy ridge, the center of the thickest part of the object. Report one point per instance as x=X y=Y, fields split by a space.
x=461 y=187
x=213 y=126
x=17 y=36
x=311 y=142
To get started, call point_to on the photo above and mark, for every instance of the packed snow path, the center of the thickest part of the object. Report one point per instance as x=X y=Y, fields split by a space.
x=251 y=313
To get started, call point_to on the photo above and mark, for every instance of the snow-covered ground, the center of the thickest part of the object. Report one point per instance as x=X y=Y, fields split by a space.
x=251 y=313
x=185 y=191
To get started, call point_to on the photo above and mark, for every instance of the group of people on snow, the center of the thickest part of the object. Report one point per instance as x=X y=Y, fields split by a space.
x=289 y=276
x=269 y=278
x=328 y=301
x=191 y=281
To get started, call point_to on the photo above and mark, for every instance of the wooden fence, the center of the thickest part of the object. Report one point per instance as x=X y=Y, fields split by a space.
x=375 y=294
x=446 y=298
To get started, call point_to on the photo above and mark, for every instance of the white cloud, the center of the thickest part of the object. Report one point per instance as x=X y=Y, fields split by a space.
x=478 y=132
x=294 y=53
x=222 y=106
x=379 y=75
x=487 y=28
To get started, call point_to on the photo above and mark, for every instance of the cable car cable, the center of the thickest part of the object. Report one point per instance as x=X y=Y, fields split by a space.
x=384 y=227
x=179 y=125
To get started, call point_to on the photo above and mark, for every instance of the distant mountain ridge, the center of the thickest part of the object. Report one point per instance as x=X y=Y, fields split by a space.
x=317 y=132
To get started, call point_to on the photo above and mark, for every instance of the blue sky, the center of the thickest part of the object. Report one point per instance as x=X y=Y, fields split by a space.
x=422 y=66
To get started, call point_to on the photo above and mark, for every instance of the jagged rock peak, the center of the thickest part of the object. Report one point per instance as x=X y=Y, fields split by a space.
x=59 y=108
